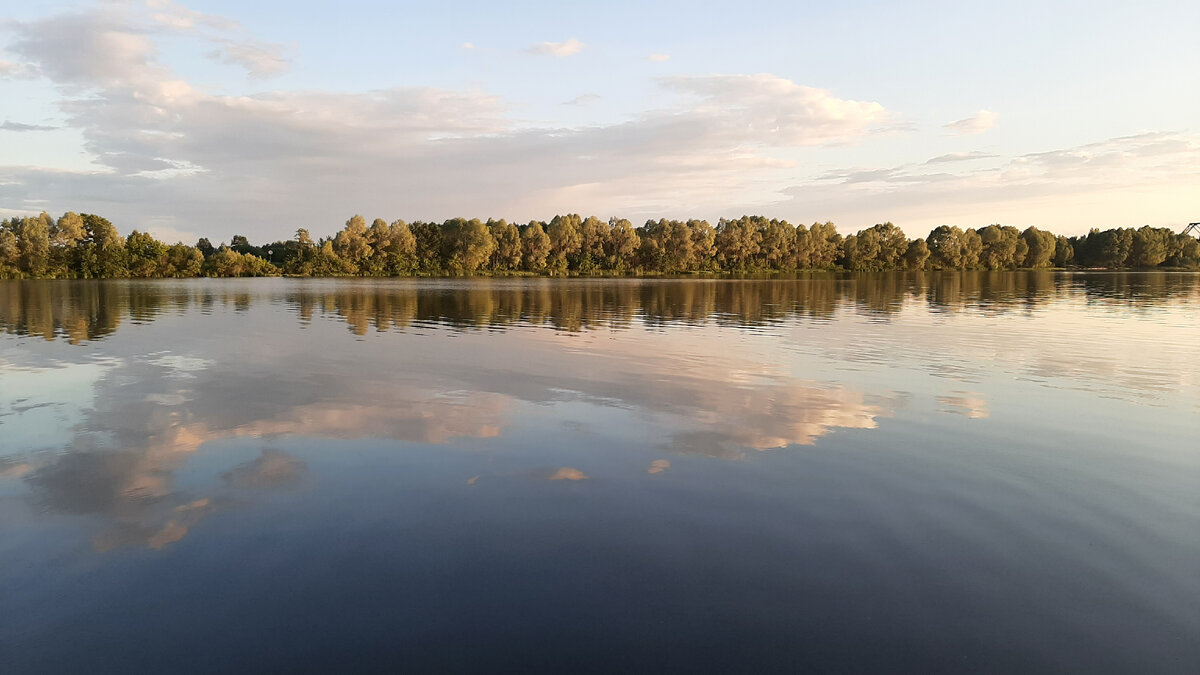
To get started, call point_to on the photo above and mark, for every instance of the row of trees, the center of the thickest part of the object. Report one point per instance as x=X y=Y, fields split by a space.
x=89 y=246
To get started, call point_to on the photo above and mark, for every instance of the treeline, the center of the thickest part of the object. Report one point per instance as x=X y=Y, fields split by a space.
x=87 y=246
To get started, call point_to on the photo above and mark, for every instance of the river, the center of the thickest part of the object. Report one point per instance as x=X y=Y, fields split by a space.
x=970 y=472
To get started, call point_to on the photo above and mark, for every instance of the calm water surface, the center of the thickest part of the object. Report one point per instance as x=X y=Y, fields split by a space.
x=960 y=472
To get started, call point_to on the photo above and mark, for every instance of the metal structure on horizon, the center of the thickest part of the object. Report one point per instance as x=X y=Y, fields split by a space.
x=1190 y=227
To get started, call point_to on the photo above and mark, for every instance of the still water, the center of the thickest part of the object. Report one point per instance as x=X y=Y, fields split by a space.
x=981 y=472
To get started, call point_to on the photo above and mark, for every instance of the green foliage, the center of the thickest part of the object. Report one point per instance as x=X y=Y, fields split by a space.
x=1150 y=246
x=352 y=245
x=535 y=246
x=102 y=250
x=33 y=245
x=566 y=240
x=917 y=255
x=9 y=252
x=145 y=256
x=183 y=261
x=468 y=244
x=1064 y=252
x=818 y=247
x=947 y=248
x=507 y=253
x=1003 y=247
x=738 y=242
x=428 y=246
x=1185 y=251
x=89 y=246
x=623 y=244
x=880 y=247
x=229 y=263
x=1040 y=247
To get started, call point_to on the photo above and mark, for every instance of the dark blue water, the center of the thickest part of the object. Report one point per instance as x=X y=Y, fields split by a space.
x=960 y=472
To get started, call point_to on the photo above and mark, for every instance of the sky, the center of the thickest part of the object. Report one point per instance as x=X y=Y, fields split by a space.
x=221 y=118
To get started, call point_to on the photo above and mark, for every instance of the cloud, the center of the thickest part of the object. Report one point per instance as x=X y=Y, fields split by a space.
x=95 y=49
x=659 y=58
x=557 y=49
x=583 y=99
x=1115 y=182
x=658 y=466
x=567 y=473
x=468 y=46
x=173 y=155
x=260 y=59
x=960 y=157
x=771 y=110
x=975 y=124
x=18 y=71
x=849 y=177
x=172 y=15
x=19 y=126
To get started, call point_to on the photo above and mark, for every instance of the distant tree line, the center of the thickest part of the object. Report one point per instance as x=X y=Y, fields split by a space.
x=87 y=246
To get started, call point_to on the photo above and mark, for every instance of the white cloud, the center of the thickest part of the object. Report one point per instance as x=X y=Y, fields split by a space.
x=172 y=15
x=1122 y=181
x=975 y=124
x=172 y=155
x=583 y=99
x=19 y=126
x=557 y=49
x=960 y=157
x=92 y=49
x=659 y=58
x=260 y=59
x=771 y=110
x=18 y=71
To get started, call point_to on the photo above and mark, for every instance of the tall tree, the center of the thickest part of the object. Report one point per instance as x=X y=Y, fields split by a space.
x=704 y=244
x=879 y=247
x=352 y=245
x=917 y=255
x=1003 y=247
x=1040 y=245
x=824 y=245
x=1150 y=246
x=33 y=236
x=946 y=246
x=1110 y=248
x=1064 y=253
x=593 y=233
x=535 y=246
x=623 y=244
x=428 y=238
x=145 y=256
x=507 y=253
x=183 y=261
x=102 y=250
x=737 y=242
x=469 y=244
x=10 y=252
x=778 y=245
x=565 y=241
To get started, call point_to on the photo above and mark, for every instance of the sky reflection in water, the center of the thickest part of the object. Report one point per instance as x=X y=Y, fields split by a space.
x=994 y=471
